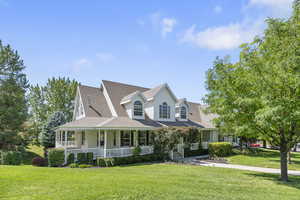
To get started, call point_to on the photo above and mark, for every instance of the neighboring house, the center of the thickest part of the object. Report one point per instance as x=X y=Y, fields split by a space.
x=111 y=120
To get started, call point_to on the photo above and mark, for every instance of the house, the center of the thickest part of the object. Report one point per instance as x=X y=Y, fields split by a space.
x=114 y=118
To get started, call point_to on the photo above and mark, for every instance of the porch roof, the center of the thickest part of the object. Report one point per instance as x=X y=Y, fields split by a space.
x=123 y=123
x=109 y=123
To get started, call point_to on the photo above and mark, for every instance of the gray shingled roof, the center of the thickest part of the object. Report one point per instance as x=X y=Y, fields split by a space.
x=117 y=91
x=152 y=92
x=99 y=115
x=94 y=102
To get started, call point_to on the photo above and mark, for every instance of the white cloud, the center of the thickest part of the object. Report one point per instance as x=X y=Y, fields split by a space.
x=223 y=37
x=218 y=9
x=81 y=64
x=167 y=25
x=159 y=23
x=105 y=57
x=278 y=8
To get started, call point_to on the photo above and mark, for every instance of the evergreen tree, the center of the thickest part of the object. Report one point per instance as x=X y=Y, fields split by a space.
x=47 y=135
x=13 y=107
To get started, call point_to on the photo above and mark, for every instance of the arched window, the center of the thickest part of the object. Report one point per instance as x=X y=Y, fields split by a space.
x=164 y=111
x=183 y=112
x=138 y=108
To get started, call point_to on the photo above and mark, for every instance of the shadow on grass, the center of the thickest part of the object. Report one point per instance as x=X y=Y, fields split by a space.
x=294 y=181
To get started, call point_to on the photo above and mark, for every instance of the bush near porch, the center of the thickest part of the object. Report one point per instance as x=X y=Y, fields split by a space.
x=219 y=149
x=56 y=157
x=109 y=162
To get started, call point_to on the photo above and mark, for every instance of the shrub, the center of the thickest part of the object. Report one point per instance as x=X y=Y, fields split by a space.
x=70 y=158
x=108 y=162
x=56 y=157
x=219 y=149
x=82 y=158
x=39 y=161
x=89 y=157
x=73 y=165
x=137 y=151
x=10 y=158
x=100 y=162
x=85 y=166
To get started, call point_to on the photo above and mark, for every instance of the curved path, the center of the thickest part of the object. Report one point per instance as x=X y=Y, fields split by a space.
x=195 y=161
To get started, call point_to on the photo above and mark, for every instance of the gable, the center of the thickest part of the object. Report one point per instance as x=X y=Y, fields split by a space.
x=94 y=102
x=117 y=91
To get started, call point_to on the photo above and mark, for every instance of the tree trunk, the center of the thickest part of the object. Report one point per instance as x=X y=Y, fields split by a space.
x=264 y=144
x=283 y=164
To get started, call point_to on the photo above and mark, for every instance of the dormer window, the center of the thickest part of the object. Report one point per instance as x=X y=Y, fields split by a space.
x=183 y=112
x=138 y=108
x=164 y=111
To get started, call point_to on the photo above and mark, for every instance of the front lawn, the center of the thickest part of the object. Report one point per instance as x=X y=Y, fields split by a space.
x=263 y=158
x=156 y=181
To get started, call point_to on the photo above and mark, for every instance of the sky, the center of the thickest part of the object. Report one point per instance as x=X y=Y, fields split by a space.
x=144 y=43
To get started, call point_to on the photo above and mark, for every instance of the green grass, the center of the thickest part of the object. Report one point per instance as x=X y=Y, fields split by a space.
x=264 y=158
x=142 y=182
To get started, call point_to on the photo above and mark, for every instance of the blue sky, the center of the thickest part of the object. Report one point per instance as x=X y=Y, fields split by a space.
x=137 y=42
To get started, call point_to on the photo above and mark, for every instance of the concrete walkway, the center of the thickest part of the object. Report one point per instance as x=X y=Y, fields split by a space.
x=195 y=161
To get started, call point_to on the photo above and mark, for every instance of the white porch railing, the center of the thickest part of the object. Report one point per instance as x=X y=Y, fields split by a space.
x=115 y=152
x=126 y=151
x=65 y=144
x=97 y=152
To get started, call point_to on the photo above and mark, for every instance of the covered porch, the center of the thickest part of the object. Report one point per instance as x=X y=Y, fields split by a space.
x=104 y=143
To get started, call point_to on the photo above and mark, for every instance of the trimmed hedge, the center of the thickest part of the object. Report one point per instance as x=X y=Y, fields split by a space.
x=70 y=158
x=10 y=158
x=81 y=158
x=89 y=158
x=39 y=161
x=219 y=149
x=85 y=158
x=109 y=162
x=188 y=152
x=56 y=157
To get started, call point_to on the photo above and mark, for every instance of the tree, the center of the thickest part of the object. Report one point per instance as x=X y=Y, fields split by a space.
x=60 y=94
x=47 y=135
x=13 y=107
x=57 y=94
x=260 y=94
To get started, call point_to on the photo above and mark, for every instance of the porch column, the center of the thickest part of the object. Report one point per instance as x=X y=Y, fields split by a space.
x=105 y=143
x=60 y=137
x=66 y=138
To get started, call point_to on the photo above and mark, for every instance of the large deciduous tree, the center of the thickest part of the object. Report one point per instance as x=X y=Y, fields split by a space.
x=57 y=95
x=13 y=109
x=260 y=94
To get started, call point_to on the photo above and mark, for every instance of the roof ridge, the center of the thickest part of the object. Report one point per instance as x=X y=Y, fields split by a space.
x=126 y=84
x=88 y=86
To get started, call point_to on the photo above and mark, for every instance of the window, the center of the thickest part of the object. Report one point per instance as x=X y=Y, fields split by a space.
x=125 y=138
x=115 y=138
x=138 y=108
x=164 y=111
x=142 y=135
x=100 y=138
x=183 y=112
x=82 y=138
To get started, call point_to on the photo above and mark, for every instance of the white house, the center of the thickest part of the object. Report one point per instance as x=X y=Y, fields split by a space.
x=114 y=118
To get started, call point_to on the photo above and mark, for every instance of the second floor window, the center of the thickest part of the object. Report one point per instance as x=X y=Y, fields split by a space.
x=138 y=108
x=164 y=111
